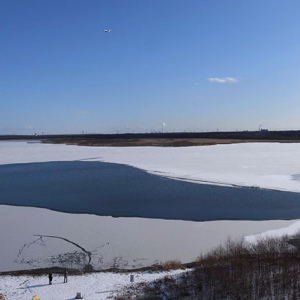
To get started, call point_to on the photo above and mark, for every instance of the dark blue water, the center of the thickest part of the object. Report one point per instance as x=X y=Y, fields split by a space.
x=108 y=189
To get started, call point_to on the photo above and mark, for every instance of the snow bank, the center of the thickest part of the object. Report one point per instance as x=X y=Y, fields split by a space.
x=290 y=230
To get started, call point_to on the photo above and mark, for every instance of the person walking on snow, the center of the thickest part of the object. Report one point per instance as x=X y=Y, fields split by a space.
x=65 y=276
x=50 y=278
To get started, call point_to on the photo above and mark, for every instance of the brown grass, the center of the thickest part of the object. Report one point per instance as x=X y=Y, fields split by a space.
x=169 y=265
x=157 y=142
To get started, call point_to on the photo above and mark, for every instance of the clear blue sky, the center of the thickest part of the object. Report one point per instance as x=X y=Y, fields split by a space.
x=194 y=65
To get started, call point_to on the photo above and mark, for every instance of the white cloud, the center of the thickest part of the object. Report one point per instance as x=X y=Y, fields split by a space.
x=223 y=79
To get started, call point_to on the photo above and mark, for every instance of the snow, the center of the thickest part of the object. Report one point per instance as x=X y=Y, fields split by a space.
x=290 y=230
x=91 y=286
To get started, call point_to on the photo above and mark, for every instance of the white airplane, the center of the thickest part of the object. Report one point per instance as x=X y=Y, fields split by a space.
x=107 y=30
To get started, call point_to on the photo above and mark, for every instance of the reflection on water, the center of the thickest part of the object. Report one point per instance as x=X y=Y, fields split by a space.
x=109 y=189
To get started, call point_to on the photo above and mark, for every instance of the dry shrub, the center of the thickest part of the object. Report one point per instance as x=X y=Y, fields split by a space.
x=297 y=235
x=267 y=269
x=169 y=265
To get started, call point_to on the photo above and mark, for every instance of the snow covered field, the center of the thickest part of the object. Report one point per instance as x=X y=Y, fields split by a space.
x=37 y=238
x=92 y=286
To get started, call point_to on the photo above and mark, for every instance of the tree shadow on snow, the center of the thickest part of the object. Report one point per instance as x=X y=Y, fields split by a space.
x=32 y=286
x=37 y=286
x=104 y=292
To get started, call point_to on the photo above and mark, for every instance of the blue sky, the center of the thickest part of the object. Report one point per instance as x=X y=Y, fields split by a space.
x=191 y=65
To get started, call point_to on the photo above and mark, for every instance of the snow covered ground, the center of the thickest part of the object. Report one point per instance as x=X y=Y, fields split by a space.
x=94 y=286
x=290 y=230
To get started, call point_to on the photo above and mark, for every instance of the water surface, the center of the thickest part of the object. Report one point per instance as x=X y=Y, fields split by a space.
x=109 y=189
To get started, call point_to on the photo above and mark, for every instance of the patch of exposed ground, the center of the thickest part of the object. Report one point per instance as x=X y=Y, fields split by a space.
x=156 y=142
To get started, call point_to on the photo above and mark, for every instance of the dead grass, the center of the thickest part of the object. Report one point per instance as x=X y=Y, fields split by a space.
x=156 y=142
x=169 y=265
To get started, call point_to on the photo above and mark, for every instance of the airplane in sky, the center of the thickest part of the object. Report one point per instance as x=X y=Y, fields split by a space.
x=107 y=30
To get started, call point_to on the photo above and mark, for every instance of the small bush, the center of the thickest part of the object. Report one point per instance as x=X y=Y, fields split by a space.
x=169 y=265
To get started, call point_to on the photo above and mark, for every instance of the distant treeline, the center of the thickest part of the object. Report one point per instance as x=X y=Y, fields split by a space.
x=241 y=135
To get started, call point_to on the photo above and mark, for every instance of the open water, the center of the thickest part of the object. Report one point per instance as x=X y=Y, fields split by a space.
x=117 y=190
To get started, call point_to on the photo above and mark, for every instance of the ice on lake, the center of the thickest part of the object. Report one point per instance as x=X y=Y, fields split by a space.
x=37 y=237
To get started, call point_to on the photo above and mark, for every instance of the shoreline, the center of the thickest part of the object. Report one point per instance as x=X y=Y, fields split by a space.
x=73 y=272
x=163 y=139
x=165 y=142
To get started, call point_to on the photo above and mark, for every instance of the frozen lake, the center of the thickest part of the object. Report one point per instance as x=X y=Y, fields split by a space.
x=109 y=189
x=89 y=184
